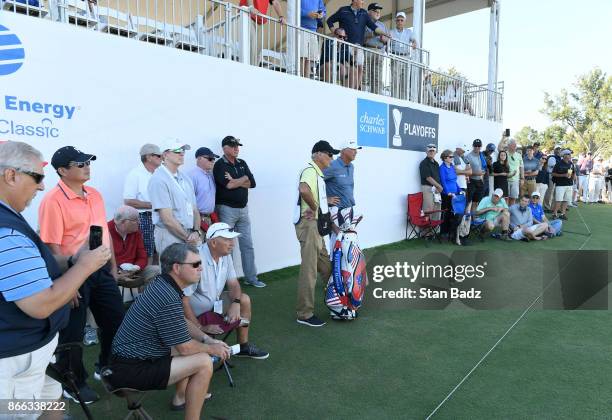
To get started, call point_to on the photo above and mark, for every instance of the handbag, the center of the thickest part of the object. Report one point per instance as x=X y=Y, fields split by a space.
x=324 y=223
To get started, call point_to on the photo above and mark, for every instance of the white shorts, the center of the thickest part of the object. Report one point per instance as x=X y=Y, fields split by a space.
x=23 y=376
x=564 y=193
x=513 y=189
x=518 y=234
x=358 y=56
x=309 y=46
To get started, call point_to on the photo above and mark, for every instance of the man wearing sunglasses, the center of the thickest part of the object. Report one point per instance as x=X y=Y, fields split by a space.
x=175 y=212
x=65 y=216
x=204 y=186
x=377 y=44
x=35 y=287
x=136 y=194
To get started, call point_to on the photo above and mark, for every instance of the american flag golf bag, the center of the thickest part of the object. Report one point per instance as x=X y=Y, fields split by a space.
x=346 y=286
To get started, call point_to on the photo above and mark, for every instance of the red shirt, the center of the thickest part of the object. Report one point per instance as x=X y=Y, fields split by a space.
x=262 y=6
x=131 y=250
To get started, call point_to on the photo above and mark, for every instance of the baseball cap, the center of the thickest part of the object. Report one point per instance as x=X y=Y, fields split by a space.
x=63 y=156
x=324 y=146
x=477 y=143
x=349 y=144
x=150 y=149
x=566 y=152
x=490 y=147
x=374 y=6
x=205 y=151
x=220 y=230
x=401 y=14
x=431 y=146
x=498 y=192
x=230 y=141
x=173 y=144
x=535 y=194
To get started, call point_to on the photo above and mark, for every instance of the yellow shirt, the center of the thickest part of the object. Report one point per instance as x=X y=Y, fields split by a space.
x=309 y=176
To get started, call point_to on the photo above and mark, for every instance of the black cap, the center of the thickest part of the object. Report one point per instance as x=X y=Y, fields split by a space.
x=62 y=157
x=374 y=6
x=324 y=146
x=537 y=143
x=205 y=151
x=230 y=141
x=477 y=143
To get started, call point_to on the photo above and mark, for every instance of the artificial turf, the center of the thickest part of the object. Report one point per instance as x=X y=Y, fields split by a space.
x=397 y=362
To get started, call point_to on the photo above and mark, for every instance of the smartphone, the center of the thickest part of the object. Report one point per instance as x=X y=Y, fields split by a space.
x=507 y=132
x=95 y=236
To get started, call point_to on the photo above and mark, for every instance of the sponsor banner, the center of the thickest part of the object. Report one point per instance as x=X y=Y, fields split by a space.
x=372 y=123
x=412 y=129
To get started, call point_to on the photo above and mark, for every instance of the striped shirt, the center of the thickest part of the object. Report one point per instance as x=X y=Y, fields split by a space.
x=154 y=323
x=23 y=271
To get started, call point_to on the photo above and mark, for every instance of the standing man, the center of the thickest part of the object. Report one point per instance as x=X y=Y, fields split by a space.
x=462 y=167
x=564 y=176
x=536 y=151
x=475 y=188
x=531 y=166
x=549 y=197
x=401 y=44
x=65 y=215
x=256 y=35
x=234 y=178
x=376 y=43
x=34 y=294
x=176 y=217
x=204 y=186
x=585 y=167
x=429 y=170
x=354 y=19
x=136 y=193
x=312 y=196
x=312 y=11
x=516 y=177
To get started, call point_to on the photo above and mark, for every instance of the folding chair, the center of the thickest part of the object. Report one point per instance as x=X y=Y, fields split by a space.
x=422 y=225
x=476 y=227
x=132 y=396
x=225 y=365
x=65 y=375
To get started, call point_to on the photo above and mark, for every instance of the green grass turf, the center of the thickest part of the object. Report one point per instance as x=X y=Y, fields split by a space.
x=401 y=363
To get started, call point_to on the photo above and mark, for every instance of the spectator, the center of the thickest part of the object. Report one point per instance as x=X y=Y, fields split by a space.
x=65 y=215
x=204 y=186
x=609 y=182
x=596 y=181
x=208 y=306
x=312 y=198
x=516 y=176
x=536 y=151
x=128 y=246
x=450 y=188
x=552 y=160
x=34 y=292
x=429 y=171
x=543 y=176
x=402 y=42
x=531 y=166
x=312 y=11
x=537 y=211
x=501 y=170
x=494 y=210
x=257 y=8
x=476 y=184
x=343 y=55
x=487 y=179
x=234 y=178
x=574 y=201
x=376 y=43
x=176 y=218
x=522 y=224
x=156 y=346
x=354 y=19
x=564 y=175
x=136 y=193
x=462 y=167
x=585 y=167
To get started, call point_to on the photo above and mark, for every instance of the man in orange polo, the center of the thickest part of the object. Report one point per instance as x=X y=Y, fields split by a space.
x=65 y=215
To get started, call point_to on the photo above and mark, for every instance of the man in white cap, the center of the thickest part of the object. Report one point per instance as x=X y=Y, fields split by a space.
x=402 y=45
x=136 y=193
x=537 y=210
x=173 y=201
x=564 y=174
x=494 y=210
x=208 y=305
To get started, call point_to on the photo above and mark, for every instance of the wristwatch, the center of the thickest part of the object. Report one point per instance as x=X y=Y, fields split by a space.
x=236 y=300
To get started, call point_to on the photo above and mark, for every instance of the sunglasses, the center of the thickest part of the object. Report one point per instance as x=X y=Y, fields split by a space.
x=210 y=159
x=80 y=165
x=449 y=157
x=38 y=178
x=196 y=264
x=178 y=151
x=156 y=155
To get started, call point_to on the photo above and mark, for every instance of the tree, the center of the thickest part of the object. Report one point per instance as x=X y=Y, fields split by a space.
x=527 y=136
x=585 y=113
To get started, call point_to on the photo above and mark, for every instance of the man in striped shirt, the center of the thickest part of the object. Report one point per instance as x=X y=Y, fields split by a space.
x=156 y=346
x=33 y=291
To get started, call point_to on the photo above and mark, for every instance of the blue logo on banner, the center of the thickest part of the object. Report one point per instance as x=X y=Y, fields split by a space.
x=372 y=123
x=11 y=52
x=412 y=129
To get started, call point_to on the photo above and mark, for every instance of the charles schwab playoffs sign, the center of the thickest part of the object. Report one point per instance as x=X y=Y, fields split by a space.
x=395 y=127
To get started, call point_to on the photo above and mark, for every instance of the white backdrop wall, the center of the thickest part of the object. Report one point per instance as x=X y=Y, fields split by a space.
x=127 y=93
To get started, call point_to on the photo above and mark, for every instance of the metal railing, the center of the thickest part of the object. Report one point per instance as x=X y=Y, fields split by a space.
x=224 y=30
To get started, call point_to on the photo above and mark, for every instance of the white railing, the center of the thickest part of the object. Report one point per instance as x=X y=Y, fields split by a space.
x=224 y=30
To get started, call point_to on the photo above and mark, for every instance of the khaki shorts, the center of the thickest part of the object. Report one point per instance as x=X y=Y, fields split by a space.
x=358 y=56
x=309 y=46
x=564 y=193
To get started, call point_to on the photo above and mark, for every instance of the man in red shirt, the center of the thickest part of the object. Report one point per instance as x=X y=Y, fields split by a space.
x=257 y=8
x=130 y=252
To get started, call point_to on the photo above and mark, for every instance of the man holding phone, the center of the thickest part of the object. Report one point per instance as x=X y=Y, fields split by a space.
x=66 y=216
x=312 y=11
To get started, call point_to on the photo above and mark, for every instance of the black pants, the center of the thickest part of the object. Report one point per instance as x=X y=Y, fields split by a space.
x=447 y=214
x=101 y=294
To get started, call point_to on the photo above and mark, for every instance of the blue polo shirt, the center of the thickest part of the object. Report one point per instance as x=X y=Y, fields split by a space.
x=339 y=182
x=537 y=211
x=309 y=6
x=353 y=22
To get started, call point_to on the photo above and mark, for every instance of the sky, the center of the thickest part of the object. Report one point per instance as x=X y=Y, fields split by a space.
x=543 y=46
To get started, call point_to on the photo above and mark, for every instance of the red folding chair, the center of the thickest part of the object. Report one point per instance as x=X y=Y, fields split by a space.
x=421 y=223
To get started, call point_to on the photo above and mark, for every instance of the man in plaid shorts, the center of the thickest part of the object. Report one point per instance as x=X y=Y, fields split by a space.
x=135 y=193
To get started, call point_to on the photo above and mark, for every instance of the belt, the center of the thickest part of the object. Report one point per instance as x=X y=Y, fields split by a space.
x=205 y=214
x=530 y=178
x=400 y=53
x=146 y=211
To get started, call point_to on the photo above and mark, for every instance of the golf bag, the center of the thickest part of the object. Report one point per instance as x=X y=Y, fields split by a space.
x=346 y=286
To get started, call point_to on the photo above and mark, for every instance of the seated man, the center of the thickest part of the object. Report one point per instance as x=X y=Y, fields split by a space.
x=537 y=211
x=130 y=253
x=156 y=346
x=217 y=311
x=522 y=224
x=494 y=210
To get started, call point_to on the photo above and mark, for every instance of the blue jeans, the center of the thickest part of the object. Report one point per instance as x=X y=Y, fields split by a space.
x=239 y=220
x=556 y=226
